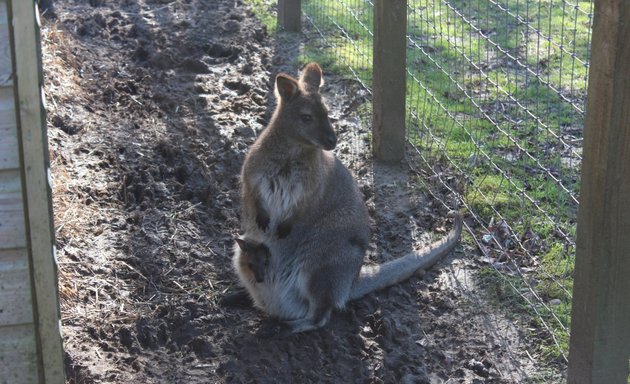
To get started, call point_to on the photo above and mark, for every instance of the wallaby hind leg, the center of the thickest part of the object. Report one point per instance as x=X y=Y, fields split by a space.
x=325 y=291
x=317 y=318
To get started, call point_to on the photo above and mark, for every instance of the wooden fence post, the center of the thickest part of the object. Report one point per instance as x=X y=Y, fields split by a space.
x=290 y=15
x=34 y=164
x=600 y=321
x=389 y=83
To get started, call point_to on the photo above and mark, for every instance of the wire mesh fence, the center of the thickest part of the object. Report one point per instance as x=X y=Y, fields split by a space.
x=496 y=94
x=346 y=29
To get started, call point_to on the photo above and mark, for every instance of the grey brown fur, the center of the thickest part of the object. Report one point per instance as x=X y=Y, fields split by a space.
x=253 y=260
x=304 y=205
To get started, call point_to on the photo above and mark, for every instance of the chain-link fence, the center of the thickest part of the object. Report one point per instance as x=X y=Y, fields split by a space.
x=496 y=95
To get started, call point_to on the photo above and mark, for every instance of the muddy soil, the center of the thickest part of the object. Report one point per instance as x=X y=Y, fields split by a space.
x=152 y=105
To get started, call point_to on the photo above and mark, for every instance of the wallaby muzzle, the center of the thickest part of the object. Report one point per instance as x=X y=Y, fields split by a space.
x=329 y=141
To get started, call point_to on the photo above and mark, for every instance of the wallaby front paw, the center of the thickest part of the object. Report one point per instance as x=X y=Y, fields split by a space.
x=284 y=229
x=273 y=329
x=238 y=298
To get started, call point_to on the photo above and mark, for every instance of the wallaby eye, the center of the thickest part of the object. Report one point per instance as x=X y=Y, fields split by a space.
x=306 y=118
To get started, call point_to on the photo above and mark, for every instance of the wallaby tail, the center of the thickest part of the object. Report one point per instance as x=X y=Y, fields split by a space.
x=375 y=277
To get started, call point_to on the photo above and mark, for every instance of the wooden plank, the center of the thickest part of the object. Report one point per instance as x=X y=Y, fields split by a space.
x=10 y=181
x=15 y=288
x=5 y=47
x=5 y=57
x=11 y=258
x=9 y=156
x=7 y=99
x=38 y=205
x=389 y=83
x=12 y=226
x=4 y=12
x=18 y=355
x=290 y=15
x=599 y=348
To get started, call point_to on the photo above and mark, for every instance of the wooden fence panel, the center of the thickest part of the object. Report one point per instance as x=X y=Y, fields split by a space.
x=9 y=157
x=12 y=229
x=15 y=306
x=34 y=163
x=5 y=49
x=18 y=355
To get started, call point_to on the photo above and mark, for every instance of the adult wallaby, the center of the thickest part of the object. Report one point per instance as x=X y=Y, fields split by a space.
x=305 y=206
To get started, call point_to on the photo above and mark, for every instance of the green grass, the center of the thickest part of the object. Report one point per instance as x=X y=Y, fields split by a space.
x=507 y=293
x=500 y=289
x=474 y=109
x=352 y=46
x=265 y=11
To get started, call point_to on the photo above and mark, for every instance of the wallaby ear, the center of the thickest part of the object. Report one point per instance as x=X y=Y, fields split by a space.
x=312 y=77
x=286 y=86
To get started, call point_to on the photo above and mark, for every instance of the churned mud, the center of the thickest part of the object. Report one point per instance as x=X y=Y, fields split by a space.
x=152 y=105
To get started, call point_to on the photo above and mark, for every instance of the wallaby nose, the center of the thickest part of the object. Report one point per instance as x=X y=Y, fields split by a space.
x=330 y=141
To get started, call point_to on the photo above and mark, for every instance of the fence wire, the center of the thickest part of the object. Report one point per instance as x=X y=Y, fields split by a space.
x=345 y=28
x=496 y=93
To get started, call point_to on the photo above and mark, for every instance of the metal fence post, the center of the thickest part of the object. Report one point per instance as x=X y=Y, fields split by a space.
x=289 y=15
x=600 y=321
x=389 y=84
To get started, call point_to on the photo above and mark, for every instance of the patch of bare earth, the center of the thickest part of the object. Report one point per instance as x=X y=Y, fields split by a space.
x=152 y=105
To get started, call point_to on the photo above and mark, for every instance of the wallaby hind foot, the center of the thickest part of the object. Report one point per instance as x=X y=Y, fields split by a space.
x=282 y=328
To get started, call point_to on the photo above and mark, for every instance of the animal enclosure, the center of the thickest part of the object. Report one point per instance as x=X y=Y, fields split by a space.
x=152 y=106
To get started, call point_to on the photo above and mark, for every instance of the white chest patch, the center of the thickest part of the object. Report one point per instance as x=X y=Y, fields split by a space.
x=280 y=195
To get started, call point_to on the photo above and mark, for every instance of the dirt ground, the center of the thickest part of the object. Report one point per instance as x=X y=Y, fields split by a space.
x=152 y=105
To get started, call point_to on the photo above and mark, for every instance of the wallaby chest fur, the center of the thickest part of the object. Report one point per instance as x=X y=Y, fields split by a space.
x=279 y=180
x=303 y=204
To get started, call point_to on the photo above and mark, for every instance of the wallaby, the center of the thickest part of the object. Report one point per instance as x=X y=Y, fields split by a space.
x=253 y=260
x=305 y=206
